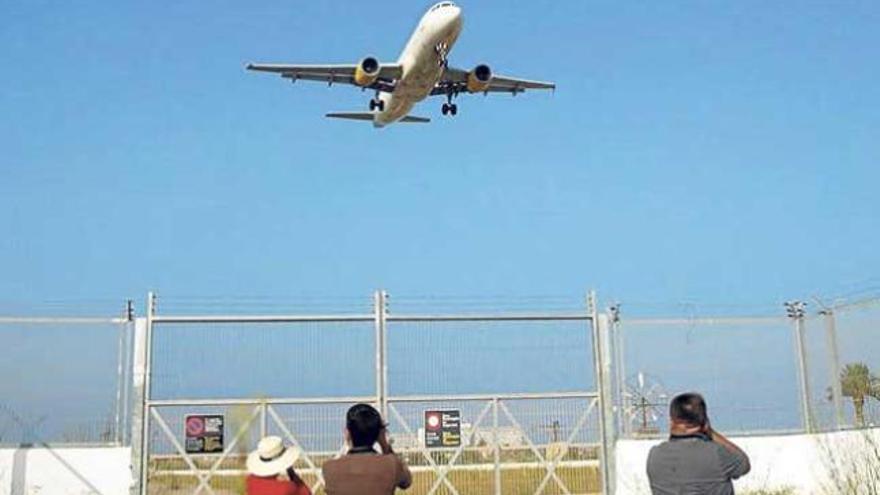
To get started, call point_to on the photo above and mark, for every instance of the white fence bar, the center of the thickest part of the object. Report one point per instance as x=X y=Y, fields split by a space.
x=255 y=402
x=508 y=466
x=491 y=317
x=488 y=397
x=750 y=320
x=41 y=320
x=262 y=318
x=363 y=318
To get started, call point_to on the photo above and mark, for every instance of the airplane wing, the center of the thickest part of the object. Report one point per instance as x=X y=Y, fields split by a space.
x=334 y=73
x=456 y=80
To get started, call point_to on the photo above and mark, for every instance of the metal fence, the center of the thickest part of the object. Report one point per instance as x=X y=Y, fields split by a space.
x=842 y=341
x=794 y=372
x=525 y=387
x=543 y=395
x=66 y=380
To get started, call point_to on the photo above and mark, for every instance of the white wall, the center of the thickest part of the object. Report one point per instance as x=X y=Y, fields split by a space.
x=6 y=471
x=801 y=462
x=69 y=471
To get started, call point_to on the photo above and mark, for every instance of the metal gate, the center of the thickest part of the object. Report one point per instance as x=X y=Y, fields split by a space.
x=531 y=391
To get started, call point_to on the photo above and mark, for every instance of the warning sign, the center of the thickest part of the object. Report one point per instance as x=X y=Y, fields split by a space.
x=203 y=433
x=442 y=428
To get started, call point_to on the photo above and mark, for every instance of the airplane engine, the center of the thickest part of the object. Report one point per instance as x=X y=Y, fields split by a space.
x=367 y=72
x=479 y=79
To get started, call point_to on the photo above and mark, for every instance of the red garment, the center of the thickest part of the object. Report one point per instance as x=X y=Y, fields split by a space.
x=271 y=486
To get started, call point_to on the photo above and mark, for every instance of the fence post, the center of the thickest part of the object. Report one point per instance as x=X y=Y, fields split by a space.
x=141 y=371
x=796 y=311
x=496 y=447
x=127 y=374
x=602 y=362
x=140 y=415
x=619 y=368
x=834 y=366
x=380 y=300
x=120 y=375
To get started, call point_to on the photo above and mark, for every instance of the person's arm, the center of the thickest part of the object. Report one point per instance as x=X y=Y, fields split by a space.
x=404 y=478
x=295 y=477
x=384 y=444
x=736 y=462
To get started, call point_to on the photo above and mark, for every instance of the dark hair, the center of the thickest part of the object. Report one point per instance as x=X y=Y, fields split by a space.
x=689 y=408
x=364 y=424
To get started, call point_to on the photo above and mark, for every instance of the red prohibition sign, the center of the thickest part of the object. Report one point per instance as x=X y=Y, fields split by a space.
x=195 y=426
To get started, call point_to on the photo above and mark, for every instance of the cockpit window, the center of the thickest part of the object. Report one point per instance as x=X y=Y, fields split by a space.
x=441 y=5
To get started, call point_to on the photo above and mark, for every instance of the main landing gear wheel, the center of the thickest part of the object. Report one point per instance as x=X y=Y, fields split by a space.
x=449 y=109
x=377 y=103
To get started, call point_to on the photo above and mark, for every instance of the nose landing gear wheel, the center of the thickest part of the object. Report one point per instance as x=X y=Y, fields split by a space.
x=377 y=103
x=449 y=109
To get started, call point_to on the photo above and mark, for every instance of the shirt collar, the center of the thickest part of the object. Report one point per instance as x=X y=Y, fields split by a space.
x=701 y=436
x=362 y=450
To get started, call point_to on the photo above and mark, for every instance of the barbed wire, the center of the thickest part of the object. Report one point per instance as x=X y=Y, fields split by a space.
x=437 y=303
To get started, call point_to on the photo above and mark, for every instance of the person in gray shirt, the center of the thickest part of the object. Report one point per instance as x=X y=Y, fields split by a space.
x=696 y=460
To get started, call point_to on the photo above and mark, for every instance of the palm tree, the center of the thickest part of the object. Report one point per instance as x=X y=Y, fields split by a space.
x=857 y=383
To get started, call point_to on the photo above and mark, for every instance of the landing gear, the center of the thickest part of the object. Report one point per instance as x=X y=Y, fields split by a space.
x=442 y=49
x=376 y=103
x=450 y=108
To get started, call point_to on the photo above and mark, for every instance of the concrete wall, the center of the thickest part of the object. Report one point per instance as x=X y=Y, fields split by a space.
x=808 y=464
x=65 y=471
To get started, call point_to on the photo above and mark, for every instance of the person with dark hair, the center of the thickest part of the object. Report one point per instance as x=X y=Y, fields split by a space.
x=696 y=459
x=364 y=470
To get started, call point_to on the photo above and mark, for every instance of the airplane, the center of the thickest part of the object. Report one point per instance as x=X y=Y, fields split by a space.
x=422 y=70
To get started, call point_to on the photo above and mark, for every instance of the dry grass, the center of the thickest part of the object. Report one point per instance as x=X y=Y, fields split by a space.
x=514 y=482
x=853 y=464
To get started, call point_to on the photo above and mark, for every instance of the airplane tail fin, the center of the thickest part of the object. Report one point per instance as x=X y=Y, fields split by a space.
x=368 y=116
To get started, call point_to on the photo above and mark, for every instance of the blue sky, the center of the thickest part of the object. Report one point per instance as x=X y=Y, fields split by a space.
x=717 y=152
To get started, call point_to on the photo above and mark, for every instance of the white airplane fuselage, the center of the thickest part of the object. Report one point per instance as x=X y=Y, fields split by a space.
x=422 y=63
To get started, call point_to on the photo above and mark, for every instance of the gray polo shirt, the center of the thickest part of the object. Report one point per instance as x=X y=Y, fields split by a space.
x=694 y=465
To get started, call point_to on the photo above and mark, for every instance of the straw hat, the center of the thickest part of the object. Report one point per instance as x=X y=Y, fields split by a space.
x=271 y=457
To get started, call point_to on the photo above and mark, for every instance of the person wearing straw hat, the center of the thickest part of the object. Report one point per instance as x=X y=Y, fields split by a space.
x=270 y=470
x=364 y=470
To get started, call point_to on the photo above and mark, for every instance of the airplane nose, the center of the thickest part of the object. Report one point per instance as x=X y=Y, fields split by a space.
x=455 y=14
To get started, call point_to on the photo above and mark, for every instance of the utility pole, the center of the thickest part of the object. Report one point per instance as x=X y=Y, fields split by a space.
x=796 y=310
x=833 y=361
